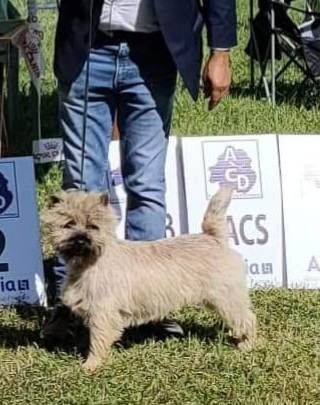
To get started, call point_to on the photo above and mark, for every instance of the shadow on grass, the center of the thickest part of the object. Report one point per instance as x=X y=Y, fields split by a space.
x=78 y=342
x=157 y=332
x=295 y=94
x=12 y=338
x=27 y=331
x=73 y=337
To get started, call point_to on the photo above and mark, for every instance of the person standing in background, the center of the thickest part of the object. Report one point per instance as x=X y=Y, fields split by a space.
x=137 y=48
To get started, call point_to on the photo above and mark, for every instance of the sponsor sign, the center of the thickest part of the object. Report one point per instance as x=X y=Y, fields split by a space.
x=300 y=168
x=175 y=197
x=117 y=191
x=21 y=272
x=251 y=165
x=48 y=150
x=177 y=218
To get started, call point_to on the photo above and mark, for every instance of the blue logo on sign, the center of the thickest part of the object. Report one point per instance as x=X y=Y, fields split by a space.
x=6 y=196
x=9 y=202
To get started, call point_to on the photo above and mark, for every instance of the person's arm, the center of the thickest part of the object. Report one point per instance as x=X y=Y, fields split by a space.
x=221 y=22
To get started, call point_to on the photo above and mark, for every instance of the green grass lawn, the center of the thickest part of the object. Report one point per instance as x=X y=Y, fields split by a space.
x=201 y=368
x=198 y=369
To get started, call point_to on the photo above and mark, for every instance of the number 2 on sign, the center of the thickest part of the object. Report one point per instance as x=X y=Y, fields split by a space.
x=3 y=266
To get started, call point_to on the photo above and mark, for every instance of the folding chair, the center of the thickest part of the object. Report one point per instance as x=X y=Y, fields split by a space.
x=48 y=4
x=275 y=36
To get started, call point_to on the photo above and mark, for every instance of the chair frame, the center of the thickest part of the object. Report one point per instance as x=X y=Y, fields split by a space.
x=291 y=51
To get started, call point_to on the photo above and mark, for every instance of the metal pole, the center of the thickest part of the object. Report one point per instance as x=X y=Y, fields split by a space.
x=252 y=73
x=32 y=10
x=273 y=55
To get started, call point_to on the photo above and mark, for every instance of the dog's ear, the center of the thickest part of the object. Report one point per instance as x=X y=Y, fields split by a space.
x=104 y=198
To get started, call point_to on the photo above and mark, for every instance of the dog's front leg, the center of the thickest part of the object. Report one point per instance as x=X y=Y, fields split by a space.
x=103 y=334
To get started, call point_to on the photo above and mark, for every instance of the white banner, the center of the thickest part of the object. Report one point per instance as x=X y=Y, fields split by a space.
x=28 y=41
x=177 y=218
x=21 y=271
x=300 y=168
x=251 y=164
x=176 y=208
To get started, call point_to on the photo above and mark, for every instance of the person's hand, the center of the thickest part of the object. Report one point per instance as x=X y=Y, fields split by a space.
x=217 y=77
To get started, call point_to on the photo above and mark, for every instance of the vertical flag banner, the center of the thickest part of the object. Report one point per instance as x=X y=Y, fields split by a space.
x=251 y=165
x=300 y=168
x=28 y=41
x=21 y=270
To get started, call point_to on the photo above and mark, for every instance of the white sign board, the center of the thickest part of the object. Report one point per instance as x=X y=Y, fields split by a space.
x=251 y=164
x=175 y=196
x=300 y=168
x=21 y=272
x=48 y=150
x=118 y=194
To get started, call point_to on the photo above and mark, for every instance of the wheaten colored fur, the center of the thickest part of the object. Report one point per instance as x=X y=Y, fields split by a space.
x=114 y=284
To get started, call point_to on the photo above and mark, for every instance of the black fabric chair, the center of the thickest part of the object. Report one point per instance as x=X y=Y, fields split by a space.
x=274 y=36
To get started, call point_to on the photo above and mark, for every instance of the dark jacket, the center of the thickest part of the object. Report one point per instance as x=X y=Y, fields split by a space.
x=181 y=23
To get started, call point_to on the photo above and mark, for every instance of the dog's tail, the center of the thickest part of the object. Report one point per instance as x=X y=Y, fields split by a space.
x=214 y=221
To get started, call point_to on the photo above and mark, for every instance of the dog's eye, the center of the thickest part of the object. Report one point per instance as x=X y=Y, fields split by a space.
x=69 y=224
x=92 y=227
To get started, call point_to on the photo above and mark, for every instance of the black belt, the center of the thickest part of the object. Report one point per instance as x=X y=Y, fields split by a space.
x=117 y=36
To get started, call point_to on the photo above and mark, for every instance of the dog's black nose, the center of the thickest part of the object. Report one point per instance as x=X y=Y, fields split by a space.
x=81 y=240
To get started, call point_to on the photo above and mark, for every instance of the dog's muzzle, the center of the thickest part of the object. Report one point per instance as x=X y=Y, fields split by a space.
x=77 y=245
x=81 y=241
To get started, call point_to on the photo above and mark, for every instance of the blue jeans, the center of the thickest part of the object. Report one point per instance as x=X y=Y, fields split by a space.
x=135 y=78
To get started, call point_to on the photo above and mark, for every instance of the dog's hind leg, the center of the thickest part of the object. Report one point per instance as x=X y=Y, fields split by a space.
x=103 y=333
x=234 y=308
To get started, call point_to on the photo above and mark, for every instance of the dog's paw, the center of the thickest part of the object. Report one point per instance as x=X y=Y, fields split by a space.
x=245 y=345
x=90 y=366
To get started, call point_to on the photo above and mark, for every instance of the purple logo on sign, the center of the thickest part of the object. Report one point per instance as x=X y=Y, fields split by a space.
x=6 y=195
x=116 y=178
x=234 y=167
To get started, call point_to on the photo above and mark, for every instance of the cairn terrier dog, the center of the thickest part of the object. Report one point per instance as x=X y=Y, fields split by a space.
x=114 y=284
